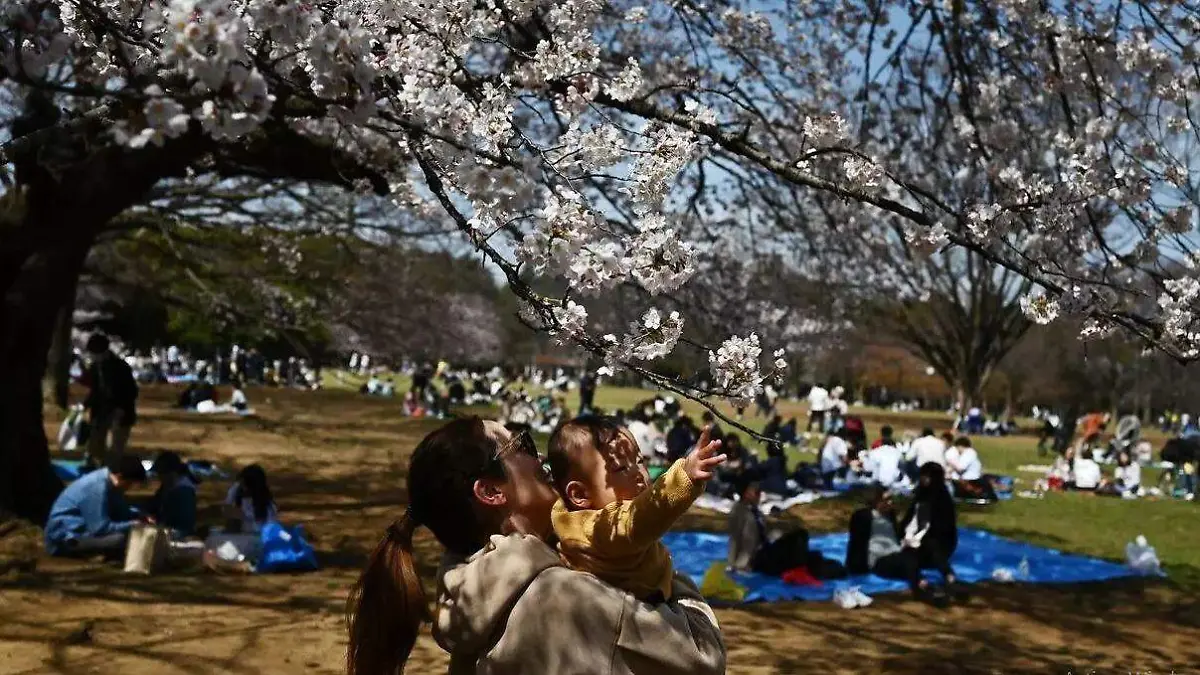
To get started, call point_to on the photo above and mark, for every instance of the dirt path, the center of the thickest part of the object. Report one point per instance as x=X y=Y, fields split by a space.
x=336 y=464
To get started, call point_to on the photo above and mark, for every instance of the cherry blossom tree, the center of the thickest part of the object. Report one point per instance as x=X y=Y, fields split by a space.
x=578 y=139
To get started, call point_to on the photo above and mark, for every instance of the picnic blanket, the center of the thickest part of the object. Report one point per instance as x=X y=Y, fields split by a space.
x=67 y=470
x=979 y=554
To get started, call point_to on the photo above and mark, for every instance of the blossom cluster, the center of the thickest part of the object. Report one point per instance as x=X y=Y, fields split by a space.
x=736 y=370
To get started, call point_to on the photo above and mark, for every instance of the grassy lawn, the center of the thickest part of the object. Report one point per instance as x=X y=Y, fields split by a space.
x=338 y=465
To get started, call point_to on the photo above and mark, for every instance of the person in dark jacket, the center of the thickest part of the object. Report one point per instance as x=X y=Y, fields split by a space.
x=91 y=516
x=111 y=401
x=681 y=438
x=925 y=539
x=174 y=504
x=773 y=473
x=587 y=393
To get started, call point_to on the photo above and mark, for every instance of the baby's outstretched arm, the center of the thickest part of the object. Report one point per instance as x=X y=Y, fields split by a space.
x=640 y=522
x=701 y=461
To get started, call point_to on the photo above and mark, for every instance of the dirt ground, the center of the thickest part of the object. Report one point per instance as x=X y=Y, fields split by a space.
x=337 y=463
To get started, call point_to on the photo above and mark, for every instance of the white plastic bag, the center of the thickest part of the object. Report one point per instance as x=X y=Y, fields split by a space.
x=68 y=433
x=1142 y=558
x=147 y=549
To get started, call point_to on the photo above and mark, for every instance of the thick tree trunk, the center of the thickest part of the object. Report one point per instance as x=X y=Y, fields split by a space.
x=43 y=285
x=57 y=384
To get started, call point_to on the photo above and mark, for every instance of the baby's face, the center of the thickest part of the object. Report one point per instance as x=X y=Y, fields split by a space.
x=617 y=473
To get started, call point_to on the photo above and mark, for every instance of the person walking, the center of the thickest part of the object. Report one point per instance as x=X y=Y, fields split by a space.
x=111 y=402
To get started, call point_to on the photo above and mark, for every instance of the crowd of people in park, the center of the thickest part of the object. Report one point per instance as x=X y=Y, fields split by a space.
x=174 y=365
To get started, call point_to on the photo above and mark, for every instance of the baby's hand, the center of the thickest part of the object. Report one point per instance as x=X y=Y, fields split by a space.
x=700 y=463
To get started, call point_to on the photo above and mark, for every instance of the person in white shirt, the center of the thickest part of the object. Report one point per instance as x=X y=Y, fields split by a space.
x=249 y=503
x=1086 y=472
x=929 y=448
x=833 y=456
x=962 y=461
x=818 y=406
x=1127 y=477
x=883 y=463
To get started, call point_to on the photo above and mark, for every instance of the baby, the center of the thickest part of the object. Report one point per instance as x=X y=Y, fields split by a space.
x=610 y=517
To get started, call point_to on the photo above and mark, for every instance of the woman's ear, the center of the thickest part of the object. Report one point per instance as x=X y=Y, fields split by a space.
x=487 y=492
x=576 y=494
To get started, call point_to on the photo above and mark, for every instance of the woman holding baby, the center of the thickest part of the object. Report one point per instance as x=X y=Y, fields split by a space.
x=507 y=602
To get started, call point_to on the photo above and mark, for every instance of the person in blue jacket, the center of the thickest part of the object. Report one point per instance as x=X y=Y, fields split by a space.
x=91 y=515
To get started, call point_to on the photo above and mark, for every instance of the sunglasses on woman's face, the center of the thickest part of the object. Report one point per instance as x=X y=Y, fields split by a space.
x=521 y=442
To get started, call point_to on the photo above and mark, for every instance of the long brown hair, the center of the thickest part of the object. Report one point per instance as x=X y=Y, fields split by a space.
x=387 y=606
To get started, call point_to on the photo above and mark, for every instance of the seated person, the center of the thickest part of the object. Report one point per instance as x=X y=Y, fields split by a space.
x=788 y=432
x=738 y=461
x=753 y=549
x=834 y=456
x=886 y=437
x=1127 y=477
x=681 y=438
x=771 y=429
x=1085 y=472
x=1062 y=471
x=962 y=461
x=174 y=504
x=249 y=504
x=609 y=517
x=927 y=536
x=773 y=473
x=883 y=463
x=874 y=534
x=238 y=401
x=91 y=515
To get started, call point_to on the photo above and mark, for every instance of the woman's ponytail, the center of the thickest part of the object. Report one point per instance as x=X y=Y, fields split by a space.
x=387 y=606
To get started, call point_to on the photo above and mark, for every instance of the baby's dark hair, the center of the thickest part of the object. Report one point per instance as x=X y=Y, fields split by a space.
x=574 y=437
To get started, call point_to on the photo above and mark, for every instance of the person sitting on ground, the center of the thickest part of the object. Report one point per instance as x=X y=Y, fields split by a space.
x=788 y=433
x=681 y=438
x=645 y=434
x=1085 y=472
x=709 y=421
x=771 y=429
x=753 y=549
x=926 y=449
x=238 y=401
x=962 y=461
x=773 y=473
x=249 y=504
x=930 y=534
x=874 y=534
x=91 y=515
x=875 y=545
x=886 y=437
x=884 y=460
x=610 y=517
x=174 y=504
x=1127 y=477
x=834 y=457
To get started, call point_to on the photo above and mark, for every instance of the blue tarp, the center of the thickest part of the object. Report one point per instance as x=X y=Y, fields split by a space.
x=68 y=470
x=979 y=554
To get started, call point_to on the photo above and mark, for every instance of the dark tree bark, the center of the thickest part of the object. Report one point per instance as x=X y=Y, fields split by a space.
x=67 y=191
x=71 y=183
